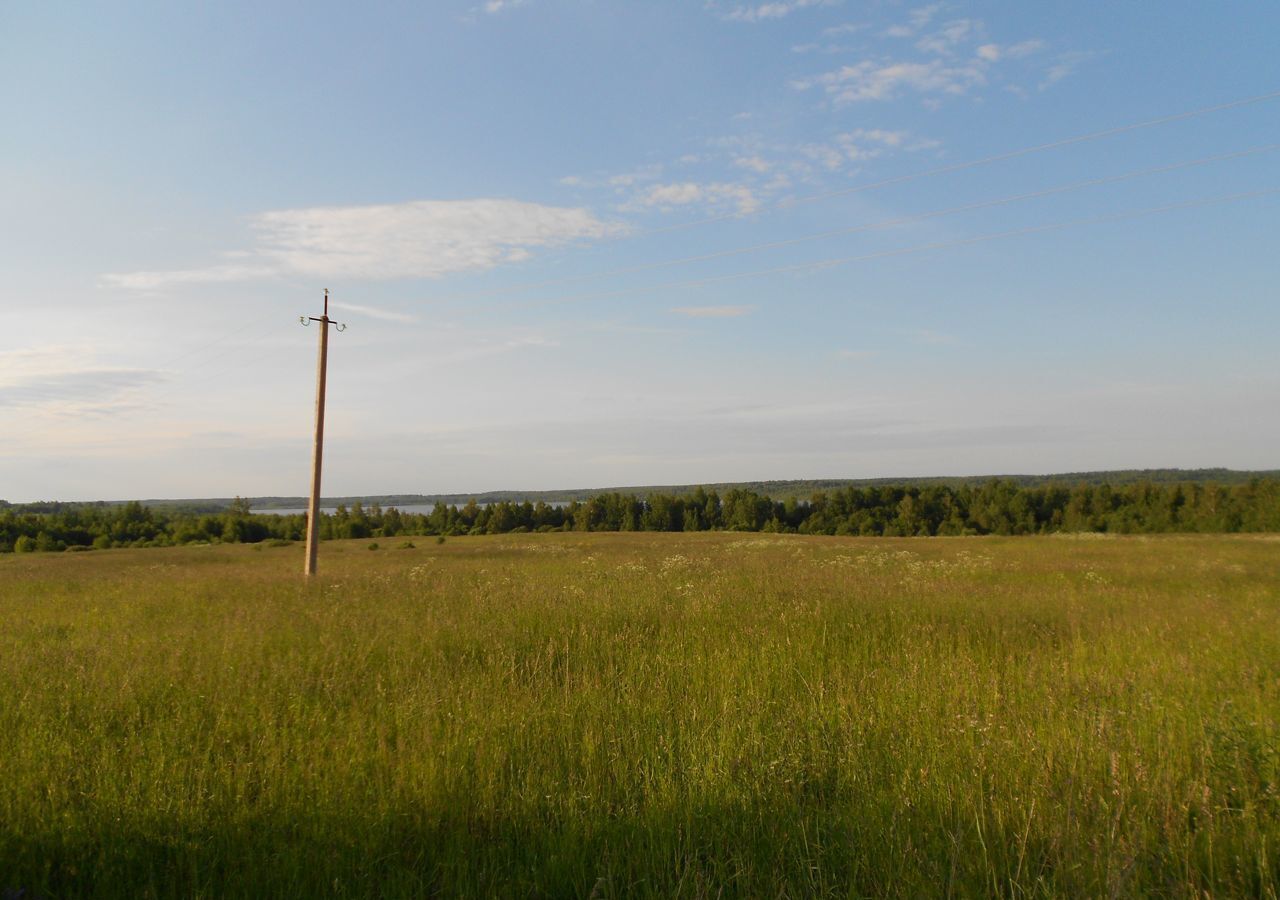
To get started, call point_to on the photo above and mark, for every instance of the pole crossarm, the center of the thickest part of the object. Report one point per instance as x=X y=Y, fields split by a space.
x=324 y=319
x=307 y=320
x=313 y=507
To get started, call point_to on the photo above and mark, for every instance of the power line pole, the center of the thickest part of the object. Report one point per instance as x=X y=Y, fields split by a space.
x=322 y=365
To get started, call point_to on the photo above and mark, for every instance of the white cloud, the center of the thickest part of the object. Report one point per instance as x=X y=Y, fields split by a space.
x=943 y=70
x=917 y=19
x=879 y=135
x=673 y=194
x=417 y=239
x=67 y=379
x=858 y=145
x=712 y=312
x=1066 y=65
x=829 y=157
x=650 y=172
x=779 y=182
x=753 y=163
x=764 y=169
x=374 y=312
x=668 y=196
x=644 y=173
x=944 y=41
x=96 y=390
x=763 y=11
x=848 y=28
x=994 y=52
x=420 y=239
x=1024 y=48
x=950 y=64
x=492 y=7
x=869 y=80
x=155 y=280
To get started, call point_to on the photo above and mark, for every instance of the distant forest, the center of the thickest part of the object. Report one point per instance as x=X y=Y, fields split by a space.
x=1000 y=506
x=798 y=489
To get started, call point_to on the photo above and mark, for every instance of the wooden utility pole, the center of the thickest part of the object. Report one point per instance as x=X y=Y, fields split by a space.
x=322 y=365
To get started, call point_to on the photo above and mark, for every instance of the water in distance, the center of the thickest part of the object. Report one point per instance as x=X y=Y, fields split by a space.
x=421 y=509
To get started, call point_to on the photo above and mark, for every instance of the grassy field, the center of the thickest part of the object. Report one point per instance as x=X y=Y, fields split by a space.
x=644 y=715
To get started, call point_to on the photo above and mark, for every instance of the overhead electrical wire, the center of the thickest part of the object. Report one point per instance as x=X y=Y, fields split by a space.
x=203 y=348
x=870 y=226
x=875 y=185
x=983 y=161
x=903 y=251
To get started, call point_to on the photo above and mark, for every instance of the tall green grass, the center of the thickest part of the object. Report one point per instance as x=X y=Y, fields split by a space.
x=645 y=715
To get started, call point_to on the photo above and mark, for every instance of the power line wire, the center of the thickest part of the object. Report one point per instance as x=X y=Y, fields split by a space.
x=871 y=226
x=920 y=248
x=986 y=160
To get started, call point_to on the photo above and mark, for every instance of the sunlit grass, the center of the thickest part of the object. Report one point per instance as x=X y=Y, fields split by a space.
x=665 y=715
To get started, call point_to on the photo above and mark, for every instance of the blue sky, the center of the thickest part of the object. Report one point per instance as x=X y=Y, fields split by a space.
x=602 y=243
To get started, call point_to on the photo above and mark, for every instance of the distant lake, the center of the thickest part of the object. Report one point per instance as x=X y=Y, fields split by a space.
x=419 y=508
x=422 y=509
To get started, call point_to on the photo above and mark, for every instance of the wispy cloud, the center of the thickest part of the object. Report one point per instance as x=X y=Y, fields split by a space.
x=950 y=36
x=87 y=388
x=712 y=312
x=1064 y=66
x=66 y=379
x=847 y=28
x=762 y=12
x=493 y=7
x=995 y=52
x=756 y=164
x=685 y=193
x=953 y=60
x=374 y=312
x=418 y=239
x=855 y=146
x=763 y=171
x=618 y=181
x=215 y=274
x=918 y=18
x=874 y=80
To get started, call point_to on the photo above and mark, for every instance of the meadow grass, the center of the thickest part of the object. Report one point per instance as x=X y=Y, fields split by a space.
x=645 y=715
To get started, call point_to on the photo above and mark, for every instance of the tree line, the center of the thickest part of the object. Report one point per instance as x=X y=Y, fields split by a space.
x=997 y=507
